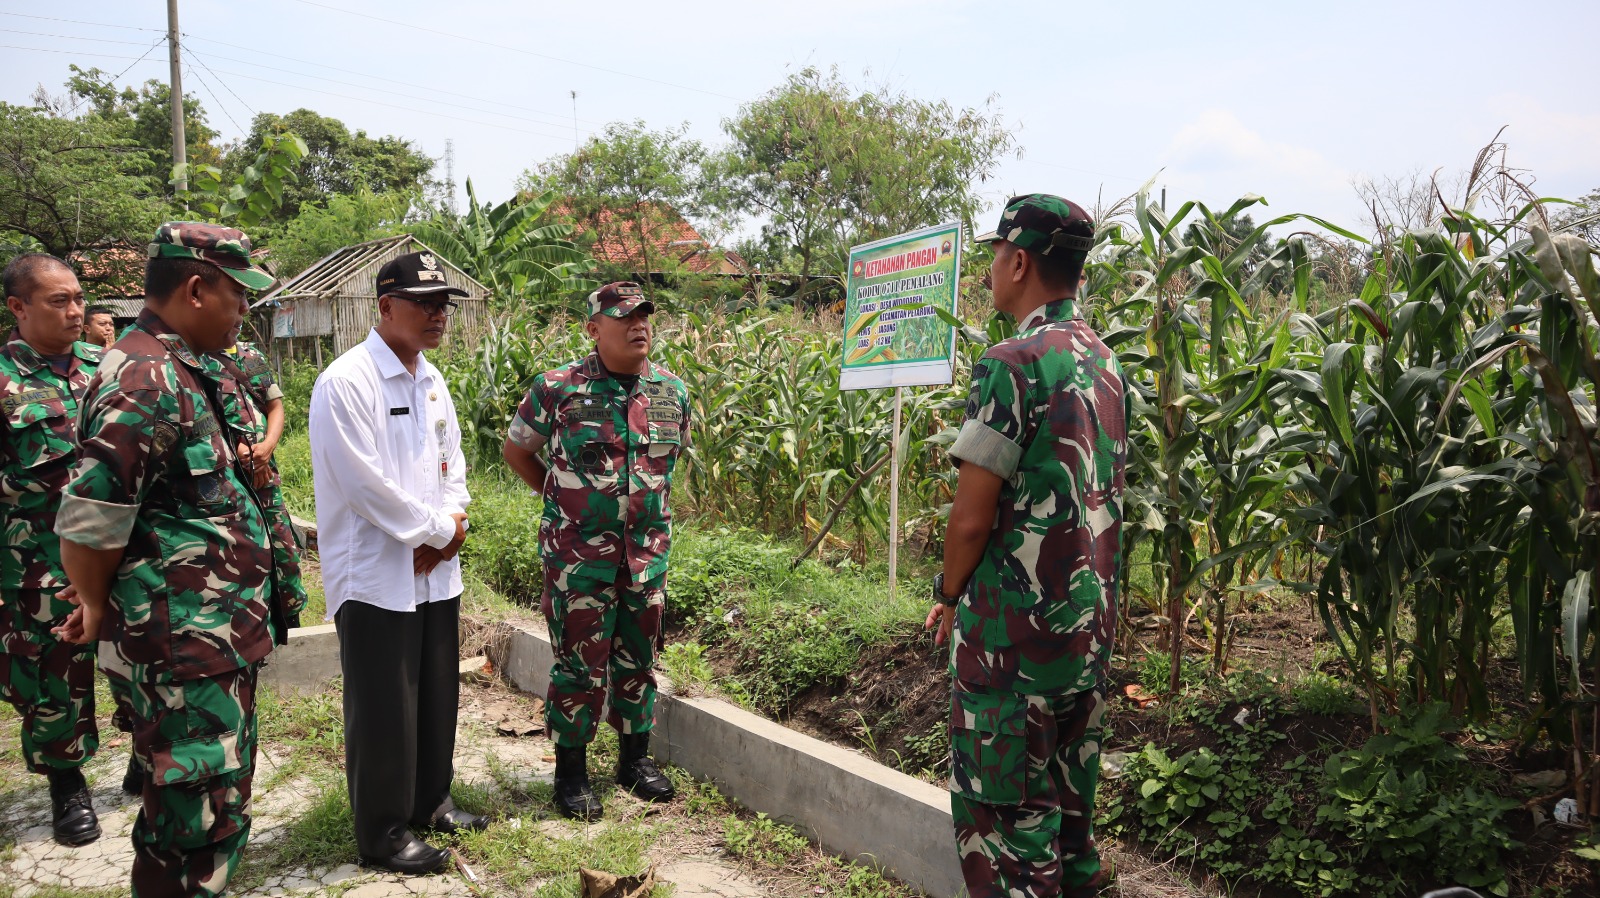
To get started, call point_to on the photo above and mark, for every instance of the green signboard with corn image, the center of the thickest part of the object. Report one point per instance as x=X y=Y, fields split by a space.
x=893 y=334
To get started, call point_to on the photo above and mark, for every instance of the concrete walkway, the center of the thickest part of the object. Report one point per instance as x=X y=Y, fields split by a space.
x=34 y=862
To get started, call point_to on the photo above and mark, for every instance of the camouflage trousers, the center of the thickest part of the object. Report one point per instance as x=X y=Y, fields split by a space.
x=286 y=548
x=1023 y=770
x=602 y=632
x=49 y=682
x=196 y=740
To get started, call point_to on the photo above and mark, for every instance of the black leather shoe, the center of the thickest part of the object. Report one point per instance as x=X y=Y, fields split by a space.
x=418 y=857
x=456 y=820
x=574 y=799
x=637 y=771
x=133 y=780
x=72 y=817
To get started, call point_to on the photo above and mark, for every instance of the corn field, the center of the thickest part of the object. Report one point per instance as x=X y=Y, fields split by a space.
x=1426 y=439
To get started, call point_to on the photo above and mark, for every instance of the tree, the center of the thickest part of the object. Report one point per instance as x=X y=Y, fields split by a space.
x=74 y=184
x=337 y=162
x=1581 y=218
x=506 y=249
x=825 y=167
x=144 y=117
x=628 y=186
x=246 y=198
x=343 y=221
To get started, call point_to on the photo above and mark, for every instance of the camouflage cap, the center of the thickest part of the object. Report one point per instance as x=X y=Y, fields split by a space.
x=226 y=248
x=1041 y=223
x=618 y=300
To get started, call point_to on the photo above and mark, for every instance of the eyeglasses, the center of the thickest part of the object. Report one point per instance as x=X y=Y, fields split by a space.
x=443 y=308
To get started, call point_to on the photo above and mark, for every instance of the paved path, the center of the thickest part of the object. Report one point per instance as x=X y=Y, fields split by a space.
x=36 y=862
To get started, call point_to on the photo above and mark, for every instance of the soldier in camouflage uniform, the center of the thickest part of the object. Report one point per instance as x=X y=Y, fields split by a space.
x=1030 y=578
x=611 y=427
x=43 y=374
x=169 y=556
x=253 y=372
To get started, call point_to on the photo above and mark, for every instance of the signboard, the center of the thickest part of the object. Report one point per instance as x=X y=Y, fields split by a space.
x=893 y=335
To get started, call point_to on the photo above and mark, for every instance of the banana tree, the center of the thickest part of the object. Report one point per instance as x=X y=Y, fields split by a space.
x=507 y=249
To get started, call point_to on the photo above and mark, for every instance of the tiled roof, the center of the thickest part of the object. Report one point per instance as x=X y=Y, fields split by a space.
x=668 y=235
x=116 y=271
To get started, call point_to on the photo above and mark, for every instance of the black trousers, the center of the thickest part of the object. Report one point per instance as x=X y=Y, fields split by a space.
x=401 y=690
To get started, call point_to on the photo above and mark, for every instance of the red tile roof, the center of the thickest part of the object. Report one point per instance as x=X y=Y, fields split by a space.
x=669 y=236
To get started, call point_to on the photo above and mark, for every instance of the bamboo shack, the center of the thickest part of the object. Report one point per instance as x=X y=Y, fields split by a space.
x=336 y=300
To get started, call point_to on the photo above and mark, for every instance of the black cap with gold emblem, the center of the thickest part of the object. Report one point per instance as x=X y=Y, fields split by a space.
x=415 y=274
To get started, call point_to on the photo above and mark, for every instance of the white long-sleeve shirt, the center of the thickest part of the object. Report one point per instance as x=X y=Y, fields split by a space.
x=388 y=472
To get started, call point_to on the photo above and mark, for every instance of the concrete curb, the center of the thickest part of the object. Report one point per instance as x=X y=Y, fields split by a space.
x=306 y=663
x=849 y=804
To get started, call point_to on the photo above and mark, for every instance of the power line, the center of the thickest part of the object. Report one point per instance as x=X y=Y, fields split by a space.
x=76 y=52
x=198 y=58
x=71 y=37
x=462 y=37
x=392 y=105
x=136 y=60
x=81 y=22
x=370 y=87
x=561 y=116
x=214 y=98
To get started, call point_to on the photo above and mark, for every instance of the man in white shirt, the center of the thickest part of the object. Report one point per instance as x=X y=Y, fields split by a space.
x=391 y=506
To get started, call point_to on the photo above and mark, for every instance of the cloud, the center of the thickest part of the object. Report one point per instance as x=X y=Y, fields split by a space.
x=1217 y=148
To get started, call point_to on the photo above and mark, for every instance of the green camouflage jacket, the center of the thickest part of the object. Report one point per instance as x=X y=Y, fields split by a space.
x=611 y=456
x=245 y=364
x=1047 y=413
x=156 y=475
x=36 y=455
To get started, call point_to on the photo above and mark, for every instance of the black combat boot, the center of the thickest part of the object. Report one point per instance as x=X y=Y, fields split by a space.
x=574 y=798
x=72 y=813
x=637 y=771
x=133 y=780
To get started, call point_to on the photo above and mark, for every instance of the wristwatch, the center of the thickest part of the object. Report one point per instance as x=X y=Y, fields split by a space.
x=938 y=591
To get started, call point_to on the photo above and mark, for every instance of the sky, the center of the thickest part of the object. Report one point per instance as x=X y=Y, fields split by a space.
x=1292 y=101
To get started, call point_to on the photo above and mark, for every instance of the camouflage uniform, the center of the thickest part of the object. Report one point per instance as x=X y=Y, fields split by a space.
x=190 y=615
x=604 y=536
x=48 y=681
x=253 y=372
x=1033 y=631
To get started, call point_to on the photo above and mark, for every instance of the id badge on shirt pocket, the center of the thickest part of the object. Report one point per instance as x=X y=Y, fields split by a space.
x=988 y=746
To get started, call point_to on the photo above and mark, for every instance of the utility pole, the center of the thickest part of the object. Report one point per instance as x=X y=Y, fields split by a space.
x=574 y=121
x=450 y=174
x=180 y=152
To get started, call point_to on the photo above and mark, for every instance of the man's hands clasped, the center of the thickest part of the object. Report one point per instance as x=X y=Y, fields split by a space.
x=425 y=558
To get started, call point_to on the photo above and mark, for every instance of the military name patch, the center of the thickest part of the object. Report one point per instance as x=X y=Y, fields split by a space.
x=43 y=394
x=589 y=414
x=205 y=425
x=665 y=413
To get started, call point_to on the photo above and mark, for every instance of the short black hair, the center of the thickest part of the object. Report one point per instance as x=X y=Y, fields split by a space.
x=163 y=276
x=1062 y=270
x=20 y=274
x=89 y=313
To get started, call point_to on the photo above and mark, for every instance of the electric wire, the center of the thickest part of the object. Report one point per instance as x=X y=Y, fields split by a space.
x=213 y=94
x=563 y=138
x=561 y=118
x=525 y=52
x=225 y=86
x=72 y=37
x=81 y=22
x=370 y=87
